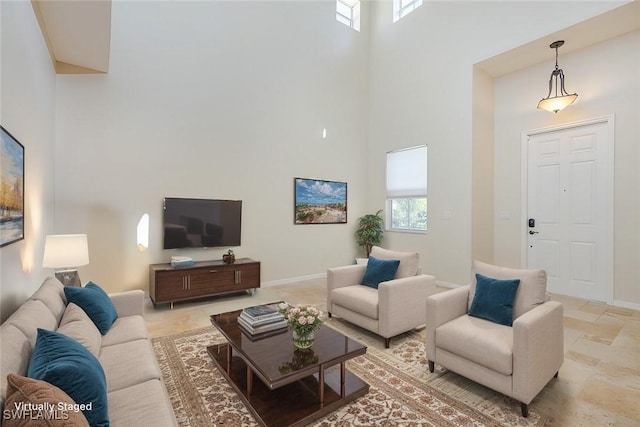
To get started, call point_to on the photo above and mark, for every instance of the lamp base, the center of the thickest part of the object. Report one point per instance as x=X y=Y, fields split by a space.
x=69 y=277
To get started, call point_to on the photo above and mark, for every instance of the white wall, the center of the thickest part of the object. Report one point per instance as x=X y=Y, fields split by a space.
x=607 y=79
x=214 y=100
x=228 y=99
x=27 y=112
x=483 y=168
x=421 y=92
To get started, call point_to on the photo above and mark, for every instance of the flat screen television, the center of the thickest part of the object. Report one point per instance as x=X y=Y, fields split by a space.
x=201 y=223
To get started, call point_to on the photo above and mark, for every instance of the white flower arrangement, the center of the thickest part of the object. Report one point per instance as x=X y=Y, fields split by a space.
x=303 y=319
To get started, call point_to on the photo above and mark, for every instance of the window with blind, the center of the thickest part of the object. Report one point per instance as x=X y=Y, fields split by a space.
x=407 y=190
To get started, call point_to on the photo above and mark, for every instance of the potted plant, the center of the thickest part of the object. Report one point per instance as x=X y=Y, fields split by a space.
x=370 y=230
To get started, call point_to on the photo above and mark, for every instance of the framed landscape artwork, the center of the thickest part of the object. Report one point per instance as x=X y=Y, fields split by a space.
x=320 y=202
x=11 y=189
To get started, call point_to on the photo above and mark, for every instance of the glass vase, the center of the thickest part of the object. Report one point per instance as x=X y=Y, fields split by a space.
x=303 y=339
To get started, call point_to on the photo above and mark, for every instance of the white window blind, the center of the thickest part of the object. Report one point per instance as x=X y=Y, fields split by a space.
x=407 y=172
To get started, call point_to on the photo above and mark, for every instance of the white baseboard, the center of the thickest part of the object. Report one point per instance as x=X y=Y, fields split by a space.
x=626 y=304
x=293 y=280
x=324 y=275
x=616 y=303
x=447 y=284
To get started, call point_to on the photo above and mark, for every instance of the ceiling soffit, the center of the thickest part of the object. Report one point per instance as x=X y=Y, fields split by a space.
x=77 y=33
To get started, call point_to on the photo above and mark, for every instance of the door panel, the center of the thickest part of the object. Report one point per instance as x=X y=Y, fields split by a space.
x=583 y=179
x=568 y=194
x=548 y=199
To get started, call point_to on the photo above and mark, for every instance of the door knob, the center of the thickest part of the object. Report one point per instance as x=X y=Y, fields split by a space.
x=533 y=232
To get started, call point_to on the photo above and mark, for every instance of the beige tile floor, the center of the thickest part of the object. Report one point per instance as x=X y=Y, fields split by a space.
x=599 y=382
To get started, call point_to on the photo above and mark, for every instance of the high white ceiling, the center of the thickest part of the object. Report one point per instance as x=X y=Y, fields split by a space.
x=78 y=33
x=611 y=24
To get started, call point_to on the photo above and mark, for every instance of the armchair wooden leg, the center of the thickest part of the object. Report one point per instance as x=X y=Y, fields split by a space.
x=329 y=314
x=556 y=375
x=386 y=342
x=525 y=409
x=432 y=366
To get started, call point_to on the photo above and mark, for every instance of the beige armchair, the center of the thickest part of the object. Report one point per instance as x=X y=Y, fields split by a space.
x=517 y=360
x=397 y=305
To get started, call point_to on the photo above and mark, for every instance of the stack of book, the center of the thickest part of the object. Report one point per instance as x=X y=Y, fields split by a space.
x=260 y=319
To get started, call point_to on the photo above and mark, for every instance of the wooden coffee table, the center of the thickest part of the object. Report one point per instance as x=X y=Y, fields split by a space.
x=295 y=386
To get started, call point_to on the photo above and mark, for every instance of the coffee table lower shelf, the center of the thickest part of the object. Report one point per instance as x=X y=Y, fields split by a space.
x=295 y=404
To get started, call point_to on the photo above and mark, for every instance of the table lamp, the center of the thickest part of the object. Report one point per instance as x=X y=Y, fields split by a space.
x=65 y=252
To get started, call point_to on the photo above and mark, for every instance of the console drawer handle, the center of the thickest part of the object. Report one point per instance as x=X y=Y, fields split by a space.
x=213 y=271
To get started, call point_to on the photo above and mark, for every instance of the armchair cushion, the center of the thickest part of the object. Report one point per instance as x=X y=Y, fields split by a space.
x=379 y=270
x=531 y=292
x=493 y=299
x=409 y=261
x=358 y=298
x=486 y=343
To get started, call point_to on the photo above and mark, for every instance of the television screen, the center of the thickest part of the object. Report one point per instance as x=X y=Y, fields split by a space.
x=201 y=223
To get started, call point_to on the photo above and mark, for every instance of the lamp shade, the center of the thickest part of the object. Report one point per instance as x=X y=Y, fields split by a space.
x=557 y=103
x=65 y=251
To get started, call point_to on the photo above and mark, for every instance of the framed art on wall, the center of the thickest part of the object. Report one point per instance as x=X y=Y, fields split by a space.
x=11 y=189
x=320 y=202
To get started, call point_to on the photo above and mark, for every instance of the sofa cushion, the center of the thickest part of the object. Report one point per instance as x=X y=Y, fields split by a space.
x=76 y=324
x=51 y=293
x=152 y=405
x=358 y=298
x=486 y=343
x=125 y=329
x=409 y=261
x=22 y=390
x=129 y=363
x=30 y=316
x=493 y=299
x=65 y=363
x=16 y=360
x=532 y=290
x=95 y=302
x=379 y=270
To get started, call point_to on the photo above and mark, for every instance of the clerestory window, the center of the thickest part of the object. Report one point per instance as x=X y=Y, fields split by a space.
x=348 y=12
x=402 y=8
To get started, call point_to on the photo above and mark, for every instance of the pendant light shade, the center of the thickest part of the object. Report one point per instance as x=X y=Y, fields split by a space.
x=560 y=98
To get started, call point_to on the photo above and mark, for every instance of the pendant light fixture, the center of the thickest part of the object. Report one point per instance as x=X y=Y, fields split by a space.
x=561 y=98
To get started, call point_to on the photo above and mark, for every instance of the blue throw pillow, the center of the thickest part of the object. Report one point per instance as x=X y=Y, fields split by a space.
x=95 y=302
x=379 y=270
x=65 y=363
x=494 y=299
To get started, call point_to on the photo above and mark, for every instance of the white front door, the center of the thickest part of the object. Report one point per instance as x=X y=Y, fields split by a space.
x=569 y=222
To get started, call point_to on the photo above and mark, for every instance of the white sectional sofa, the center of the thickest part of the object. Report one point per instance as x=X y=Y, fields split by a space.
x=136 y=395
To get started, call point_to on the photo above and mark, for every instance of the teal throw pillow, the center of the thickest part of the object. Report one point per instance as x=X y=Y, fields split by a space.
x=494 y=299
x=65 y=363
x=379 y=270
x=95 y=302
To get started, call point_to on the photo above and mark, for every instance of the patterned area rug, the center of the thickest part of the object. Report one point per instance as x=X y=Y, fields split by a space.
x=402 y=391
